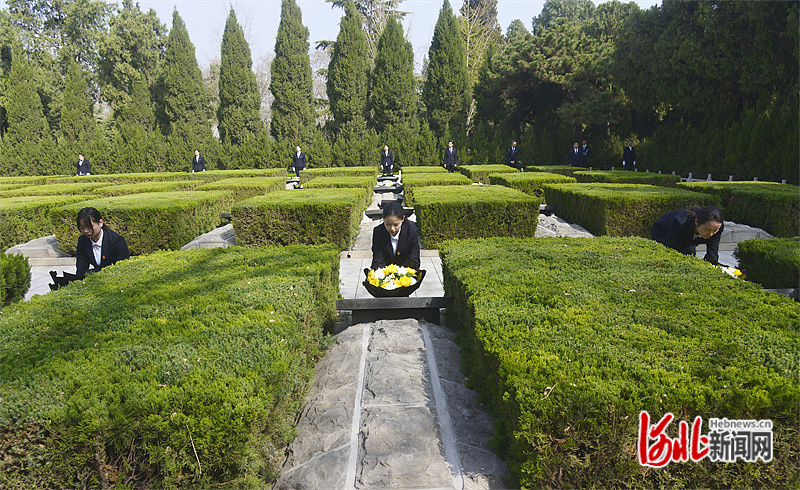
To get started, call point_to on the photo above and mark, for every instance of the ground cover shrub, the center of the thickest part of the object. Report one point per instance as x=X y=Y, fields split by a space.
x=308 y=174
x=28 y=217
x=619 y=209
x=568 y=339
x=554 y=169
x=770 y=206
x=627 y=177
x=148 y=222
x=413 y=181
x=124 y=178
x=480 y=173
x=773 y=263
x=246 y=187
x=361 y=182
x=8 y=187
x=15 y=278
x=212 y=175
x=170 y=370
x=424 y=169
x=145 y=187
x=475 y=211
x=54 y=189
x=529 y=182
x=300 y=216
x=25 y=180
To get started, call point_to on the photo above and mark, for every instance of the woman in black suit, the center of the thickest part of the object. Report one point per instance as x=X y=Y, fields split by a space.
x=683 y=229
x=98 y=245
x=396 y=240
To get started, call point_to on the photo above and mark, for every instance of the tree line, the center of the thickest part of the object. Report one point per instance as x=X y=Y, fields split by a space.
x=705 y=86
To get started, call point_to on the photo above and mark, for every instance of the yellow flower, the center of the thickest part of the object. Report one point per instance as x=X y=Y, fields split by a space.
x=411 y=271
x=374 y=282
x=404 y=281
x=371 y=276
x=390 y=269
x=737 y=272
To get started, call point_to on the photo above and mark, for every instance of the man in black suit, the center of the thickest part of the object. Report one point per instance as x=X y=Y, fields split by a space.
x=83 y=166
x=629 y=156
x=387 y=161
x=512 y=155
x=574 y=159
x=396 y=240
x=586 y=153
x=198 y=162
x=98 y=246
x=450 y=157
x=298 y=161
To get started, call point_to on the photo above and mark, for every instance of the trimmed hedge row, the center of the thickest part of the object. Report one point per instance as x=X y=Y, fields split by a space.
x=555 y=169
x=145 y=187
x=15 y=278
x=246 y=187
x=131 y=178
x=25 y=180
x=413 y=181
x=424 y=169
x=365 y=182
x=530 y=182
x=148 y=222
x=26 y=218
x=773 y=263
x=212 y=175
x=54 y=189
x=171 y=370
x=619 y=209
x=627 y=177
x=568 y=339
x=308 y=174
x=480 y=173
x=449 y=212
x=300 y=216
x=770 y=206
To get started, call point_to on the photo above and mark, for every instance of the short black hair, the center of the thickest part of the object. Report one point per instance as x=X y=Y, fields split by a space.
x=87 y=215
x=394 y=209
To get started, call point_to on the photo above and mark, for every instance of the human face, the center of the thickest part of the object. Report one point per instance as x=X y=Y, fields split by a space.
x=297 y=149
x=707 y=229
x=514 y=143
x=385 y=148
x=449 y=144
x=393 y=224
x=91 y=229
x=575 y=145
x=197 y=153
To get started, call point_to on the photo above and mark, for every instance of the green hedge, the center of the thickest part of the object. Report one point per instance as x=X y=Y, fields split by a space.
x=15 y=278
x=568 y=339
x=212 y=175
x=619 y=209
x=365 y=182
x=171 y=370
x=480 y=173
x=770 y=206
x=773 y=263
x=308 y=174
x=448 y=212
x=25 y=180
x=54 y=189
x=148 y=222
x=555 y=169
x=246 y=187
x=413 y=181
x=424 y=169
x=627 y=177
x=145 y=187
x=529 y=182
x=131 y=178
x=26 y=218
x=300 y=216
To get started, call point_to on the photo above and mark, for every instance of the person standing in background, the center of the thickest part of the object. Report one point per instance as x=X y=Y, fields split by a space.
x=387 y=161
x=83 y=166
x=586 y=153
x=629 y=156
x=512 y=155
x=198 y=162
x=298 y=161
x=574 y=159
x=450 y=157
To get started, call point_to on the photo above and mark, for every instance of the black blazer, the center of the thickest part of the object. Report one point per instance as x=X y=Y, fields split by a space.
x=629 y=157
x=86 y=168
x=387 y=160
x=198 y=163
x=114 y=249
x=512 y=155
x=574 y=157
x=299 y=161
x=586 y=153
x=676 y=230
x=407 y=248
x=450 y=158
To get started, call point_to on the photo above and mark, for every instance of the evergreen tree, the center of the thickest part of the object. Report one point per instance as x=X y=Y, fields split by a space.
x=291 y=85
x=78 y=128
x=446 y=88
x=393 y=97
x=348 y=72
x=239 y=99
x=138 y=145
x=516 y=28
x=27 y=145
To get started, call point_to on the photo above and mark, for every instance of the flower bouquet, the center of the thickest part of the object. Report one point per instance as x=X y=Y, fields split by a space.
x=733 y=271
x=392 y=281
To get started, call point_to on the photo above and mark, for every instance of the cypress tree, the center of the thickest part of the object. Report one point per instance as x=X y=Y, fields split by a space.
x=239 y=100
x=78 y=127
x=138 y=145
x=393 y=100
x=446 y=88
x=291 y=85
x=348 y=71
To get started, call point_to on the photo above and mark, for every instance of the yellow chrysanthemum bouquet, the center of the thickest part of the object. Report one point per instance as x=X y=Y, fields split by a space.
x=392 y=277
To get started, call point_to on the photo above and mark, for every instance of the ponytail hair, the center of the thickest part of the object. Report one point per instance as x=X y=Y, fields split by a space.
x=706 y=214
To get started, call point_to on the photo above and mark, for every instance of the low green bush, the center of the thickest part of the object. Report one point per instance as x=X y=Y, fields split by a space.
x=308 y=174
x=212 y=175
x=568 y=339
x=8 y=187
x=480 y=173
x=26 y=218
x=145 y=187
x=627 y=177
x=25 y=180
x=365 y=182
x=555 y=169
x=171 y=370
x=529 y=182
x=300 y=216
x=619 y=209
x=413 y=181
x=475 y=211
x=148 y=222
x=773 y=263
x=770 y=206
x=131 y=178
x=246 y=187
x=15 y=278
x=54 y=189
x=424 y=169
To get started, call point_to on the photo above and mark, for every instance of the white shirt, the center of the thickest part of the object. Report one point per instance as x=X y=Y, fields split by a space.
x=395 y=241
x=97 y=248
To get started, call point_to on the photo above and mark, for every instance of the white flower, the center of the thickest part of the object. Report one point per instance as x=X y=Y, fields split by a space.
x=379 y=275
x=390 y=285
x=402 y=271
